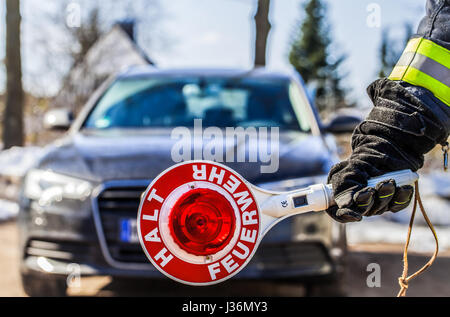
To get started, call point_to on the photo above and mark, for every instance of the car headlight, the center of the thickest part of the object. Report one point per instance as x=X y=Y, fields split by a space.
x=295 y=183
x=48 y=187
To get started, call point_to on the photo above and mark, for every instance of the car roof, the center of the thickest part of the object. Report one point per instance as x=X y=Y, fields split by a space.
x=149 y=71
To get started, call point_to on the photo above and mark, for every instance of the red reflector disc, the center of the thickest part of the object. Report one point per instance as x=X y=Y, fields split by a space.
x=202 y=222
x=199 y=223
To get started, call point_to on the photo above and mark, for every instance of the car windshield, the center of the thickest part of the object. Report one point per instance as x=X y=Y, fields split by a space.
x=221 y=102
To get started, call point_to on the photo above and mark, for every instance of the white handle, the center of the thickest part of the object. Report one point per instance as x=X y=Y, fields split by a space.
x=319 y=197
x=402 y=178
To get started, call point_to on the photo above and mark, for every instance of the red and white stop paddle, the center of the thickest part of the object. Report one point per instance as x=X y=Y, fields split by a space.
x=200 y=222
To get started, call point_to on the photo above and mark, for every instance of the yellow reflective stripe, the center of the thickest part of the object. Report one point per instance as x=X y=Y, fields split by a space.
x=436 y=52
x=429 y=49
x=401 y=202
x=432 y=74
x=398 y=72
x=412 y=45
x=418 y=78
x=385 y=196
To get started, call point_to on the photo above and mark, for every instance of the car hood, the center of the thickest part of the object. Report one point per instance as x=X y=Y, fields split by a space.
x=113 y=155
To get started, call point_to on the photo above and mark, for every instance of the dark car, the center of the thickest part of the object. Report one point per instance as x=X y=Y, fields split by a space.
x=79 y=203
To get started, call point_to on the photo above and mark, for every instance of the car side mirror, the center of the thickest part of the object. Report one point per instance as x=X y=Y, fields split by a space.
x=343 y=124
x=58 y=119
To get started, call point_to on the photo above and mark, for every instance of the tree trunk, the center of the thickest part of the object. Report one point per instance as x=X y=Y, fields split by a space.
x=262 y=24
x=13 y=134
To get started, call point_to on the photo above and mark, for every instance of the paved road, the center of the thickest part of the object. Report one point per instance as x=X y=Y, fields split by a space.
x=9 y=256
x=435 y=282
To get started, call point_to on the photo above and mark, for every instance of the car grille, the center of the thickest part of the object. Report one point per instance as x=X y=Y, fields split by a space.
x=115 y=204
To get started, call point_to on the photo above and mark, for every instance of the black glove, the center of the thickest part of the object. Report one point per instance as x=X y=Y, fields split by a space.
x=358 y=201
x=399 y=130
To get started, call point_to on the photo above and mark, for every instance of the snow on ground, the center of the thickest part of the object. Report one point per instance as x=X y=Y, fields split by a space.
x=435 y=193
x=392 y=227
x=8 y=210
x=14 y=163
x=382 y=231
x=17 y=160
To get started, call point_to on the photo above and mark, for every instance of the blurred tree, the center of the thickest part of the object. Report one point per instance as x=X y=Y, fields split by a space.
x=13 y=134
x=391 y=50
x=385 y=55
x=310 y=56
x=262 y=26
x=86 y=35
x=55 y=55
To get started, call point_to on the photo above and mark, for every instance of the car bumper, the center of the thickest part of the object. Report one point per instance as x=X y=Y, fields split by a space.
x=265 y=265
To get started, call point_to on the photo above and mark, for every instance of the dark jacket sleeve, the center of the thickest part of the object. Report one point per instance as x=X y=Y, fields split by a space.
x=435 y=26
x=410 y=117
x=405 y=123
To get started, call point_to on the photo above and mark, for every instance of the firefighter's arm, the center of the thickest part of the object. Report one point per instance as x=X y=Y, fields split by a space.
x=411 y=114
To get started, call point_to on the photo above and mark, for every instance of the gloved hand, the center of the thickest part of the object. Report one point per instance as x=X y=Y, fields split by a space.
x=357 y=200
x=397 y=133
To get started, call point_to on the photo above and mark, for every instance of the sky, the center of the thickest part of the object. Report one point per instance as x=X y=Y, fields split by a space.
x=219 y=33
